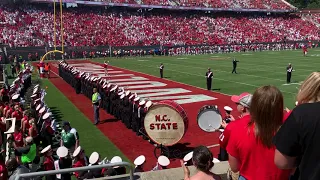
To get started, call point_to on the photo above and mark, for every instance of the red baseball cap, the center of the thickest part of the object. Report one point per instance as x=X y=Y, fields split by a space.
x=236 y=98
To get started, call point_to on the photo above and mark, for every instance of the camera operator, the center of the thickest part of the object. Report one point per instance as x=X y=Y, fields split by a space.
x=243 y=102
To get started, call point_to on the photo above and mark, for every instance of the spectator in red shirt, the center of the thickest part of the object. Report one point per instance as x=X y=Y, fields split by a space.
x=3 y=169
x=250 y=147
x=17 y=114
x=243 y=102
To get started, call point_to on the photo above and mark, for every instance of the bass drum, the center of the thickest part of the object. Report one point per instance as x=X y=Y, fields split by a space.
x=209 y=118
x=166 y=123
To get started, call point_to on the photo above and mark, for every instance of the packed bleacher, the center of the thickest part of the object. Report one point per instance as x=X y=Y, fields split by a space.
x=239 y=4
x=33 y=26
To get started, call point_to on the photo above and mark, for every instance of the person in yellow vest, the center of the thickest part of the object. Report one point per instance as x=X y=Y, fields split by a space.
x=28 y=152
x=96 y=101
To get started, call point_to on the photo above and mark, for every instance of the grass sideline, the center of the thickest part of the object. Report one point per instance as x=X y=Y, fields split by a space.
x=255 y=69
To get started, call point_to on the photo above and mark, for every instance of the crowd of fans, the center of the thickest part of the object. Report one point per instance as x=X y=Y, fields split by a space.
x=33 y=26
x=239 y=4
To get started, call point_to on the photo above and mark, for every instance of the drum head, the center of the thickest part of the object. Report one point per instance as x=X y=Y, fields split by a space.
x=164 y=125
x=209 y=120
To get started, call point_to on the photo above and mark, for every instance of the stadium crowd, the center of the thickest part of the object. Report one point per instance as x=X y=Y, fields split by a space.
x=33 y=26
x=239 y=4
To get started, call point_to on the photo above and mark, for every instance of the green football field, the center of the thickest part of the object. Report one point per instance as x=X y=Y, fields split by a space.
x=254 y=70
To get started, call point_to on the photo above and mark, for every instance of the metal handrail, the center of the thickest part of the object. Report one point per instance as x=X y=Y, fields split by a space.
x=86 y=168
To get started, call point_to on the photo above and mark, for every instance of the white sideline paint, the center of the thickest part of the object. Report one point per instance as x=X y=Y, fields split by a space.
x=144 y=87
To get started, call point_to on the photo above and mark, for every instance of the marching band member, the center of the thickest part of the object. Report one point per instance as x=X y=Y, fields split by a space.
x=119 y=170
x=289 y=72
x=138 y=162
x=126 y=109
x=135 y=115
x=161 y=70
x=46 y=130
x=209 y=75
x=48 y=162
x=187 y=159
x=63 y=162
x=80 y=160
x=163 y=163
x=140 y=116
x=94 y=160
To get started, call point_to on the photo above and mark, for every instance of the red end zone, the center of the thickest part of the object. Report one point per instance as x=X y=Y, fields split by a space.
x=156 y=89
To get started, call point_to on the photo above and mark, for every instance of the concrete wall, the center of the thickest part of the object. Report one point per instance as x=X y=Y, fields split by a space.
x=174 y=173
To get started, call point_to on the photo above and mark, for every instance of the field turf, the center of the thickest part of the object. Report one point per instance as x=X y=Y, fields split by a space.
x=254 y=70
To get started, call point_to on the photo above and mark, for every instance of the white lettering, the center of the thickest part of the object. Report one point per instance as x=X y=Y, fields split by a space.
x=150 y=84
x=135 y=78
x=185 y=99
x=160 y=92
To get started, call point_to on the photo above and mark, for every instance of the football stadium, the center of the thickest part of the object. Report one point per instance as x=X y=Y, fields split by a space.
x=159 y=89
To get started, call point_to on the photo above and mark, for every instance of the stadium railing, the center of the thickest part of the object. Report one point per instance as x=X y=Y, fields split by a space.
x=69 y=170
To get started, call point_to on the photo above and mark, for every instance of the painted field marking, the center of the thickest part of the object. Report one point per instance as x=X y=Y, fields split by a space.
x=182 y=58
x=246 y=54
x=142 y=60
x=291 y=84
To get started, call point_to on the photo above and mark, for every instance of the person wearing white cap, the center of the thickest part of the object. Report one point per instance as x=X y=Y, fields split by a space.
x=46 y=130
x=96 y=103
x=187 y=159
x=94 y=160
x=63 y=162
x=139 y=162
x=141 y=114
x=80 y=160
x=203 y=160
x=162 y=163
x=118 y=169
x=48 y=161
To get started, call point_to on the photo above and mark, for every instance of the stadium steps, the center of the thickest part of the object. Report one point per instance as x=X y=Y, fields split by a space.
x=138 y=1
x=172 y=3
x=220 y=168
x=310 y=19
x=287 y=3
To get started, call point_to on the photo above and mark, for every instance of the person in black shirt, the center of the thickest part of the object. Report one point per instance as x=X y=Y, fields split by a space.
x=234 y=62
x=161 y=70
x=209 y=75
x=289 y=71
x=297 y=140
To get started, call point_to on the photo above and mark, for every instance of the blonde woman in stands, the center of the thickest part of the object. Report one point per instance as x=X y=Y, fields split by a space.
x=250 y=147
x=297 y=141
x=203 y=160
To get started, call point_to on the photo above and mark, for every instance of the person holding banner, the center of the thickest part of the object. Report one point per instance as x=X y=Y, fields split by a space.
x=209 y=75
